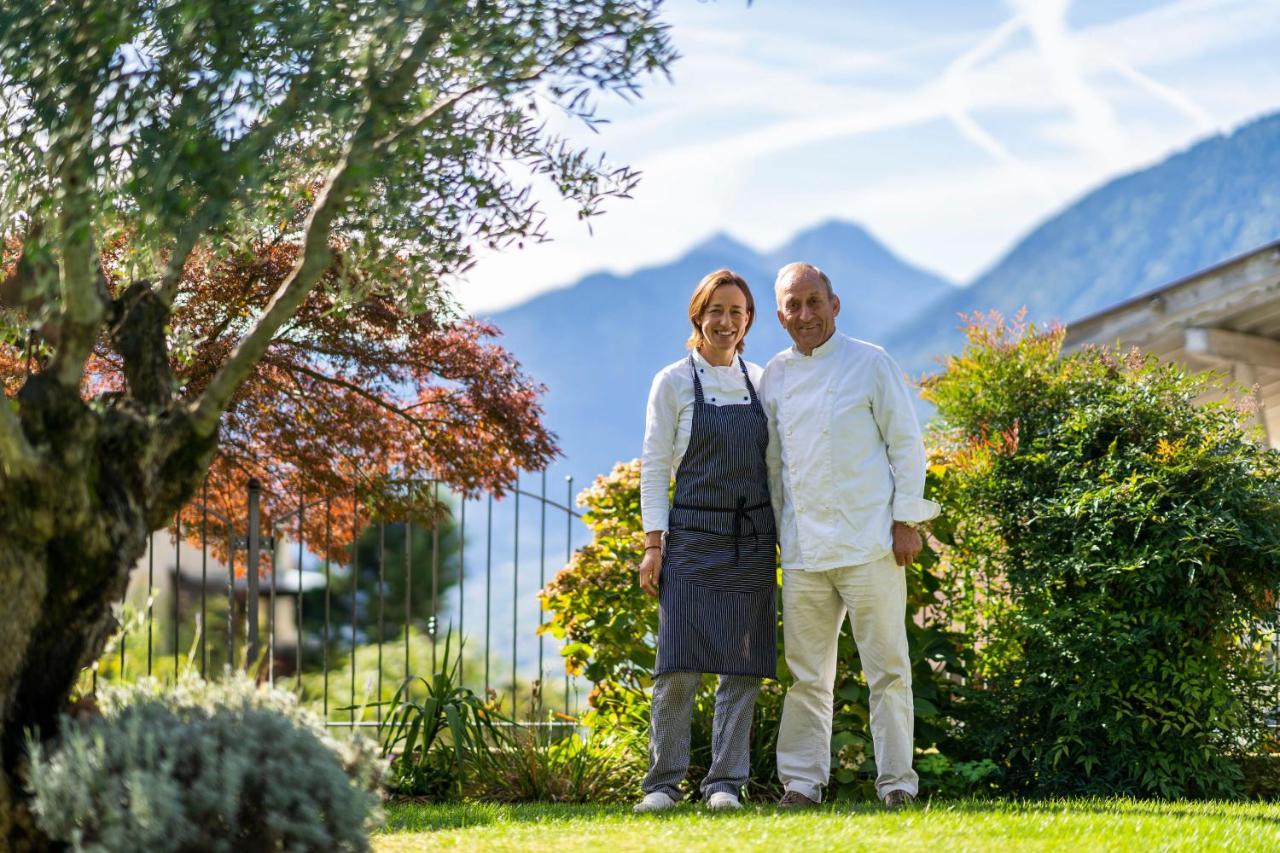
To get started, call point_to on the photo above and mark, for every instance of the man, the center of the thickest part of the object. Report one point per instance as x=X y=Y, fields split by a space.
x=846 y=476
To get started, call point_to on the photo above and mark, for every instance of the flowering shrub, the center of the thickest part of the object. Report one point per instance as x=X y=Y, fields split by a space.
x=1113 y=549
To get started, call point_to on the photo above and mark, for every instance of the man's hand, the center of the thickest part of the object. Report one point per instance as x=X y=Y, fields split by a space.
x=906 y=543
x=651 y=571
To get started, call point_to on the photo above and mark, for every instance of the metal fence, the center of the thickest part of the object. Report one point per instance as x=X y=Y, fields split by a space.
x=309 y=622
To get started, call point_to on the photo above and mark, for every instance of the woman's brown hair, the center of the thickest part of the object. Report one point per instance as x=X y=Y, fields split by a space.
x=702 y=298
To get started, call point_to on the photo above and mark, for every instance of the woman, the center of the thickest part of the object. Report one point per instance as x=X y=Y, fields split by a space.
x=715 y=574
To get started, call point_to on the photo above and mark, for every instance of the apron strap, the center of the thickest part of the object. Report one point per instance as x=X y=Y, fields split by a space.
x=751 y=389
x=741 y=519
x=697 y=383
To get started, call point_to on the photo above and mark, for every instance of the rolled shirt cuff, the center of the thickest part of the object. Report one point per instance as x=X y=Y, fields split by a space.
x=652 y=524
x=914 y=510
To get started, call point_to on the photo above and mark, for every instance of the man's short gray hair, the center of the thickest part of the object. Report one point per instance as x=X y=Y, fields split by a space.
x=800 y=268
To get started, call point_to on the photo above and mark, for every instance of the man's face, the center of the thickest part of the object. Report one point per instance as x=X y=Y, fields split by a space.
x=806 y=310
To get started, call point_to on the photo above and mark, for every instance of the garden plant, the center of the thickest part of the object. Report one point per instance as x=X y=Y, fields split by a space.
x=203 y=765
x=434 y=736
x=1112 y=551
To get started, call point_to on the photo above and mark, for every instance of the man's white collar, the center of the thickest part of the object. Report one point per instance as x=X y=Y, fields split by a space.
x=823 y=349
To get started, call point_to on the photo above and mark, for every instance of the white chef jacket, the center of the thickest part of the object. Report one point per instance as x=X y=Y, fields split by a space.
x=668 y=421
x=845 y=455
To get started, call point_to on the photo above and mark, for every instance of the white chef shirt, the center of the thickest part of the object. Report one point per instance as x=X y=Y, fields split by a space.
x=845 y=455
x=668 y=421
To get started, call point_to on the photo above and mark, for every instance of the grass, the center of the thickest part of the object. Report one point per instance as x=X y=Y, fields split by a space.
x=1074 y=825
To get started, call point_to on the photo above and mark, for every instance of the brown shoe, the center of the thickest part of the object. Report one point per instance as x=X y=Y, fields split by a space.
x=796 y=800
x=898 y=799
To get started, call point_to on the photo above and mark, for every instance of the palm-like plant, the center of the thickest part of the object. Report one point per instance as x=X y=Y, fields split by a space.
x=433 y=739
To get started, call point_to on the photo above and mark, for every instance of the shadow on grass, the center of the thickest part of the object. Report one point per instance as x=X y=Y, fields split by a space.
x=1122 y=807
x=412 y=816
x=1175 y=810
x=421 y=816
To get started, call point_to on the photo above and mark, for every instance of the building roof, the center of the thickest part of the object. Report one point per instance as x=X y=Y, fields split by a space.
x=1225 y=317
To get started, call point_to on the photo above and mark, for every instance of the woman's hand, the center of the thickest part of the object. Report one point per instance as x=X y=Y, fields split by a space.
x=651 y=570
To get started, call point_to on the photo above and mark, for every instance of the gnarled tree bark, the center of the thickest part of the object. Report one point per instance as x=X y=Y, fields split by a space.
x=74 y=525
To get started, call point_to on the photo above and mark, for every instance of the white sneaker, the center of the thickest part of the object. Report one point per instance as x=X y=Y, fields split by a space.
x=658 y=801
x=722 y=801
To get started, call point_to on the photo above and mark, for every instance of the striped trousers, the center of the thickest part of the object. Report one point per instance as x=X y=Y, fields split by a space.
x=670 y=714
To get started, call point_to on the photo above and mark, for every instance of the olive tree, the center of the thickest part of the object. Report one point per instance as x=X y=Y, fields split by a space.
x=411 y=129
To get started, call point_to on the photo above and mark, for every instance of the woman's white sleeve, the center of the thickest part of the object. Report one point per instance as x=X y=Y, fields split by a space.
x=661 y=421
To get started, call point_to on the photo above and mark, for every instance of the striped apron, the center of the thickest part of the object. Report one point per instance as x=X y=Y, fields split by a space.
x=717 y=592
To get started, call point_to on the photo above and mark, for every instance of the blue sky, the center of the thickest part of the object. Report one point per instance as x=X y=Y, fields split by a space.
x=948 y=129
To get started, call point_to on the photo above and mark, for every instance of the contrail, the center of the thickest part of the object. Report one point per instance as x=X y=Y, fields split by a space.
x=1200 y=116
x=957 y=103
x=1059 y=51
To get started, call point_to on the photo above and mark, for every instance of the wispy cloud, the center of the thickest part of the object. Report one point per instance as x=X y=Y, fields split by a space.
x=1056 y=110
x=1061 y=53
x=960 y=98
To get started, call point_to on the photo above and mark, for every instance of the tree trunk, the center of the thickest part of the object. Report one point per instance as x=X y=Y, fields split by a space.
x=111 y=473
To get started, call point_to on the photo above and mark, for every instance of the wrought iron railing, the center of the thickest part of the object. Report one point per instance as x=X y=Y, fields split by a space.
x=250 y=633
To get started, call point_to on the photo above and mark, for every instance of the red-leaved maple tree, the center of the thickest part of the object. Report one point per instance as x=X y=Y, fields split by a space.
x=357 y=402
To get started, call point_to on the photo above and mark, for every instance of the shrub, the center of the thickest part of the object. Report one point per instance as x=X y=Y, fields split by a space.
x=942 y=777
x=609 y=626
x=433 y=735
x=535 y=767
x=1114 y=548
x=203 y=765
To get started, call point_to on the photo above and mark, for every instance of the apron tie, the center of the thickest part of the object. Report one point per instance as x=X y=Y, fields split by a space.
x=741 y=517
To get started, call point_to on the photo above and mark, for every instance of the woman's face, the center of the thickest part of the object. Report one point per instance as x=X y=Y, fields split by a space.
x=724 y=322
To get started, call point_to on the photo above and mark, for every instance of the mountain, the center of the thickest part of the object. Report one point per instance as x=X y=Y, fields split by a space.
x=597 y=344
x=1217 y=199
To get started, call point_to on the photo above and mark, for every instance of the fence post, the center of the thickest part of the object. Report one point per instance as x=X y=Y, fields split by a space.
x=251 y=574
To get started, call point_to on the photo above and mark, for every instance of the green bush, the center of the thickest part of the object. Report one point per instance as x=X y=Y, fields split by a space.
x=1114 y=552
x=609 y=626
x=604 y=767
x=434 y=735
x=224 y=766
x=942 y=777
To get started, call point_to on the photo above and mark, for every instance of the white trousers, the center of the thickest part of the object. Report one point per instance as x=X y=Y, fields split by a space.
x=813 y=605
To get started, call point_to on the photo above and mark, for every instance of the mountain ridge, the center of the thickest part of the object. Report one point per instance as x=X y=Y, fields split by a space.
x=1215 y=199
x=597 y=344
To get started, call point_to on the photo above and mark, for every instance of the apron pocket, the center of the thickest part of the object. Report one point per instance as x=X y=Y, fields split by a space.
x=706 y=560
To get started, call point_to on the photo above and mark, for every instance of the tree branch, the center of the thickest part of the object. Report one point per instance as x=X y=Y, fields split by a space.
x=352 y=172
x=248 y=147
x=311 y=264
x=139 y=337
x=420 y=121
x=22 y=290
x=83 y=307
x=353 y=388
x=252 y=144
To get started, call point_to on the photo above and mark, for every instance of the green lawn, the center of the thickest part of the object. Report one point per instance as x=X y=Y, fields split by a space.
x=1075 y=825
